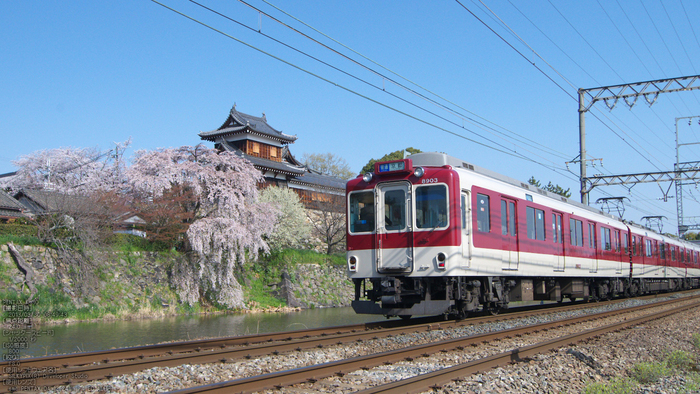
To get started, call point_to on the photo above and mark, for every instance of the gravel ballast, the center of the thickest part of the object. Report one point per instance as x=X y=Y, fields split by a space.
x=567 y=369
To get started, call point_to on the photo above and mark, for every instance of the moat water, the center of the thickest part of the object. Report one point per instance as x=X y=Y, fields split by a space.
x=85 y=337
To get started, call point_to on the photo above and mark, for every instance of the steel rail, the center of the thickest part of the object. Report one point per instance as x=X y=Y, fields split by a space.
x=106 y=364
x=313 y=373
x=199 y=345
x=441 y=377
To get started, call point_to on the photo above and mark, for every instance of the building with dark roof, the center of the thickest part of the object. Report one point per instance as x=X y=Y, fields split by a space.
x=10 y=208
x=252 y=138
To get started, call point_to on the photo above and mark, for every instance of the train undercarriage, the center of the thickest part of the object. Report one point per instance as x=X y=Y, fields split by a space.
x=459 y=296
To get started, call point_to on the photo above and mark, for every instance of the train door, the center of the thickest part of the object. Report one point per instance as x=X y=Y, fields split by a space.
x=655 y=258
x=593 y=246
x=394 y=227
x=642 y=267
x=635 y=266
x=466 y=225
x=509 y=235
x=618 y=251
x=558 y=239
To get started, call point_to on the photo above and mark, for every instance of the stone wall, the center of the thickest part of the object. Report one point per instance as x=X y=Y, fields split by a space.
x=131 y=280
x=316 y=286
x=111 y=280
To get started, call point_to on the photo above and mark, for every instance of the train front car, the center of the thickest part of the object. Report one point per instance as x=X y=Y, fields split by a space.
x=404 y=236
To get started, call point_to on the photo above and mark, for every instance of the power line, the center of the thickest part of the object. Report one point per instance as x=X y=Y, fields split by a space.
x=517 y=137
x=480 y=125
x=514 y=154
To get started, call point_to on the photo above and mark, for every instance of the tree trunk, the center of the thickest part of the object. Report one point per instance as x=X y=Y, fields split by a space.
x=24 y=267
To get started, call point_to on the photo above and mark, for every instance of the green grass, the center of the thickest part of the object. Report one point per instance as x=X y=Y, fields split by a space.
x=20 y=240
x=258 y=295
x=692 y=384
x=131 y=243
x=679 y=359
x=696 y=340
x=676 y=362
x=650 y=372
x=615 y=386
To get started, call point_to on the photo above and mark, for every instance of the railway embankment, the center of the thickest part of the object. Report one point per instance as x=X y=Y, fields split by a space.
x=74 y=286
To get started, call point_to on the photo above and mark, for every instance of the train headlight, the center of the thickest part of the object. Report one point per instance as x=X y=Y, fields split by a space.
x=352 y=263
x=441 y=259
x=367 y=177
x=418 y=172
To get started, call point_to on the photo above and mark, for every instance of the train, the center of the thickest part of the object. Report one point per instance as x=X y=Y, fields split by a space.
x=434 y=235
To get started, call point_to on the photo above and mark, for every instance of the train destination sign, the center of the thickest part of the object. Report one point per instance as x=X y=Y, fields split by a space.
x=393 y=166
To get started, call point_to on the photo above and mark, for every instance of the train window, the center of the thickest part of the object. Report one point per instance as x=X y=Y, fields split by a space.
x=361 y=212
x=535 y=223
x=591 y=233
x=395 y=210
x=656 y=248
x=504 y=217
x=634 y=245
x=557 y=230
x=673 y=253
x=616 y=240
x=649 y=249
x=483 y=219
x=576 y=231
x=431 y=206
x=624 y=244
x=507 y=218
x=663 y=250
x=605 y=243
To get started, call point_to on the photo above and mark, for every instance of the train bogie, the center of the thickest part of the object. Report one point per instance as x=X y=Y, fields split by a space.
x=432 y=235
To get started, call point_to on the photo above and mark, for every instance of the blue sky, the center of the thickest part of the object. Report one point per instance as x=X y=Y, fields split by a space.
x=88 y=74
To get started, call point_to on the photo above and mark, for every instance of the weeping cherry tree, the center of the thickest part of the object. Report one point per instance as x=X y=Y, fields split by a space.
x=229 y=223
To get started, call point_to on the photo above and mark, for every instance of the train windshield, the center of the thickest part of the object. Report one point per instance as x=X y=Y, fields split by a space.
x=362 y=212
x=431 y=206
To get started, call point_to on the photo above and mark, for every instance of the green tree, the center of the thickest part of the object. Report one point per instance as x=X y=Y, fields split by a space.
x=556 y=189
x=328 y=164
x=398 y=155
x=691 y=236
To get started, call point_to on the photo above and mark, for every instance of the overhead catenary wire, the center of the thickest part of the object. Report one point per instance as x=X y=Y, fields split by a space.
x=507 y=151
x=628 y=140
x=510 y=153
x=381 y=89
x=516 y=136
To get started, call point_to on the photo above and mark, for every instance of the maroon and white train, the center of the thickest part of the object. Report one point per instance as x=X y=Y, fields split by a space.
x=431 y=235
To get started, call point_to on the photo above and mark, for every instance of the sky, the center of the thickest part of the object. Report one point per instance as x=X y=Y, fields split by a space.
x=493 y=83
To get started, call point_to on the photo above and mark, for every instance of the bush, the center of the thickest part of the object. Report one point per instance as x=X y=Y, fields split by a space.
x=133 y=243
x=680 y=359
x=615 y=386
x=20 y=240
x=649 y=372
x=18 y=229
x=696 y=340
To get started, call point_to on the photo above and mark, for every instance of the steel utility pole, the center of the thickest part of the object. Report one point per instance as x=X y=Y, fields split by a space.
x=679 y=184
x=630 y=92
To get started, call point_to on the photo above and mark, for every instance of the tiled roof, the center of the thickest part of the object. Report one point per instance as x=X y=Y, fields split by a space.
x=39 y=201
x=238 y=122
x=321 y=180
x=275 y=165
x=9 y=207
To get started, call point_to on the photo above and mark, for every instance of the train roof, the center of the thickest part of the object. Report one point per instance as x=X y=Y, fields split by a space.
x=436 y=159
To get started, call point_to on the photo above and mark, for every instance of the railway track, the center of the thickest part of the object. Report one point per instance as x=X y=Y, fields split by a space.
x=69 y=369
x=420 y=383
